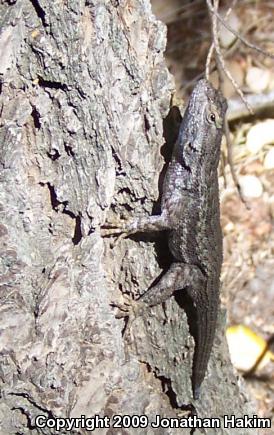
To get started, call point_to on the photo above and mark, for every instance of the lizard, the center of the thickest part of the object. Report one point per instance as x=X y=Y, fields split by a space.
x=190 y=213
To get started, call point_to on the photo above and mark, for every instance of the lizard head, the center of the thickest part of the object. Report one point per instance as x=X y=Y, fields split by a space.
x=202 y=127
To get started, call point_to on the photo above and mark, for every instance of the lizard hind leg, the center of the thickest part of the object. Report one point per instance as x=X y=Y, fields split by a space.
x=176 y=278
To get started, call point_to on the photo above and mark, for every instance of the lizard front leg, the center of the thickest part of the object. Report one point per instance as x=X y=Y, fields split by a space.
x=141 y=224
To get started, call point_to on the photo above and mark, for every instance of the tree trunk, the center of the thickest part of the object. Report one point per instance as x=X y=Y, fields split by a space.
x=84 y=93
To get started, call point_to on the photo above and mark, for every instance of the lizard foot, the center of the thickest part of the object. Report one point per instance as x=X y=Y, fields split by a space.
x=124 y=228
x=129 y=309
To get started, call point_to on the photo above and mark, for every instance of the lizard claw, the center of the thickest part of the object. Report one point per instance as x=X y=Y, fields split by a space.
x=120 y=228
x=105 y=232
x=130 y=309
x=124 y=307
x=113 y=227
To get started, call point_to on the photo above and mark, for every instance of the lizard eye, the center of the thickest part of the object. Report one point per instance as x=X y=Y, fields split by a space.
x=213 y=117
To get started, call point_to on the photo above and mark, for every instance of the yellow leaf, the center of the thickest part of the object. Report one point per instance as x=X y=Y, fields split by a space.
x=246 y=347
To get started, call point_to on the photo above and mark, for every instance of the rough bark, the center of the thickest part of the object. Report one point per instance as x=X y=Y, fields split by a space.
x=84 y=93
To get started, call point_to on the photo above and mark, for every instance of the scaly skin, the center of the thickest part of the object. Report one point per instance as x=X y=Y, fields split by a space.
x=190 y=212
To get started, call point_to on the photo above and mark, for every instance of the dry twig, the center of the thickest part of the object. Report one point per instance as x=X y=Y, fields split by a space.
x=221 y=66
x=220 y=58
x=235 y=33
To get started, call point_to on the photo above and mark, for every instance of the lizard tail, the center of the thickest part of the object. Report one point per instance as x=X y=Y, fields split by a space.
x=206 y=325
